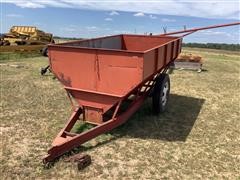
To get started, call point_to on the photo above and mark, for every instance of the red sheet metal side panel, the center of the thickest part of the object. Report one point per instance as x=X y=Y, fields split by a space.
x=161 y=56
x=169 y=53
x=93 y=70
x=148 y=64
x=118 y=74
x=72 y=68
x=143 y=43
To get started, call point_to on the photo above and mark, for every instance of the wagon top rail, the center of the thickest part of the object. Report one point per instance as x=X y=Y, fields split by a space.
x=190 y=31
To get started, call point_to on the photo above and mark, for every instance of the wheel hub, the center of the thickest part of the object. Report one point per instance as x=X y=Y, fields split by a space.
x=164 y=95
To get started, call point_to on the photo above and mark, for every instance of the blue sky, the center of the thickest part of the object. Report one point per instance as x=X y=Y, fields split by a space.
x=88 y=19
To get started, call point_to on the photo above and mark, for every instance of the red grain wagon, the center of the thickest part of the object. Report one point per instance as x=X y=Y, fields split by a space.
x=101 y=74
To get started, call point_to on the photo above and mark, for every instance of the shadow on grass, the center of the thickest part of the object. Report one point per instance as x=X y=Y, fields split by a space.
x=173 y=125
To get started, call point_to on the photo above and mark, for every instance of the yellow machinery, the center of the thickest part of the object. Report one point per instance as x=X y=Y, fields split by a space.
x=26 y=35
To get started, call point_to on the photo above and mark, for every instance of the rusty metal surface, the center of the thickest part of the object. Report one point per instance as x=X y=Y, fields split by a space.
x=82 y=160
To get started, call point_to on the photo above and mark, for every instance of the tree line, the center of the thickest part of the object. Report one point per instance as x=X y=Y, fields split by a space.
x=222 y=46
x=67 y=38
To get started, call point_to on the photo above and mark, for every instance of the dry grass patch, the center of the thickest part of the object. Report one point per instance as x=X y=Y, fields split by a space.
x=198 y=136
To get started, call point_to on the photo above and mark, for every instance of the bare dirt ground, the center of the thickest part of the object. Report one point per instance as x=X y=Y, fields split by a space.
x=197 y=138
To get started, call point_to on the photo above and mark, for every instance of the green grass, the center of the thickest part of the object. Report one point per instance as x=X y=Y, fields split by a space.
x=197 y=138
x=17 y=56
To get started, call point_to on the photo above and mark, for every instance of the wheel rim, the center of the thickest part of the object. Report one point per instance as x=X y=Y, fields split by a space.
x=165 y=94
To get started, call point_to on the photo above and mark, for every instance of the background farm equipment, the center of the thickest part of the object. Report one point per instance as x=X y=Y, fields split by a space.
x=188 y=61
x=26 y=35
x=24 y=39
x=107 y=79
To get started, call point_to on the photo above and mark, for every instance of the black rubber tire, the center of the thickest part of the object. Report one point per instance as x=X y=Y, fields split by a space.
x=20 y=43
x=45 y=51
x=158 y=92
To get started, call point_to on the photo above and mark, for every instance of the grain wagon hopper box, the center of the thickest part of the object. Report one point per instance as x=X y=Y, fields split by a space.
x=100 y=75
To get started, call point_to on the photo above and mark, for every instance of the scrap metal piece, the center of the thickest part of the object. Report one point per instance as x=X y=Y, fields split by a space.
x=82 y=160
